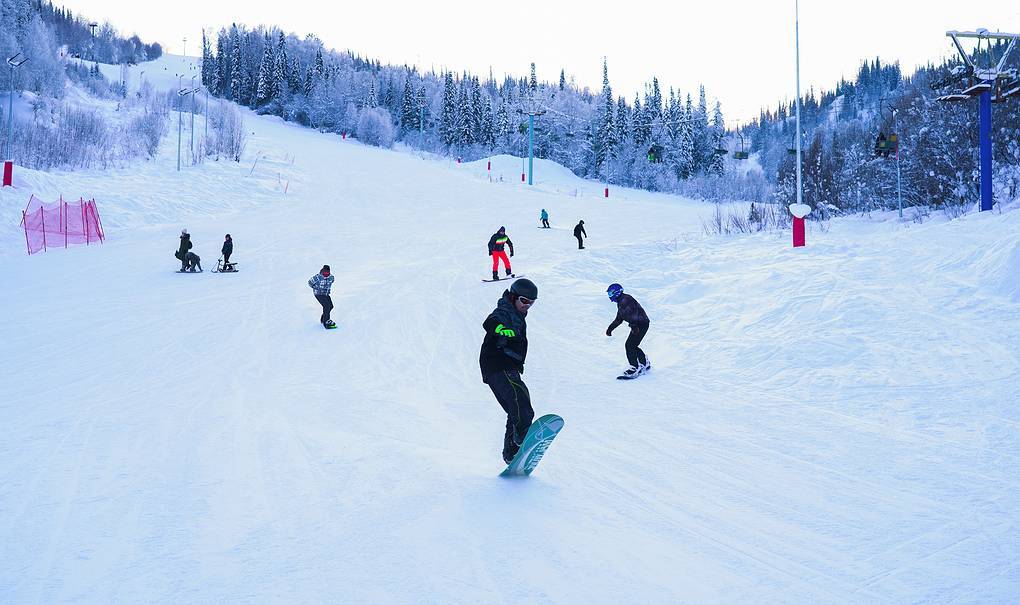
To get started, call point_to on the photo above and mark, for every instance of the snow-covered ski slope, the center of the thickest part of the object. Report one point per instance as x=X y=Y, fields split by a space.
x=834 y=424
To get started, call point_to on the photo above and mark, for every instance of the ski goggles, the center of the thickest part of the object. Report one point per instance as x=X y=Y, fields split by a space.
x=527 y=302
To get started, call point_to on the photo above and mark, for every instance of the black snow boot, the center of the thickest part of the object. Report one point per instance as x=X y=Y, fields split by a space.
x=495 y=275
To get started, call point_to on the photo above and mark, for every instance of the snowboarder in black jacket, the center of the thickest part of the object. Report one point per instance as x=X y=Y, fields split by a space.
x=630 y=311
x=578 y=230
x=496 y=243
x=182 y=251
x=501 y=360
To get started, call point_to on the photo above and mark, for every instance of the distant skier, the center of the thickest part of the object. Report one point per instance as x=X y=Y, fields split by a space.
x=545 y=219
x=630 y=311
x=502 y=361
x=496 y=244
x=578 y=231
x=320 y=283
x=227 y=249
x=182 y=250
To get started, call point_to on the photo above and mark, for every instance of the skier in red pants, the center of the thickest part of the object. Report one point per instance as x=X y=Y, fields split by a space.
x=496 y=244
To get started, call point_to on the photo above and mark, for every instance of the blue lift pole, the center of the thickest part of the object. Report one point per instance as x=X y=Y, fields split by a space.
x=985 y=111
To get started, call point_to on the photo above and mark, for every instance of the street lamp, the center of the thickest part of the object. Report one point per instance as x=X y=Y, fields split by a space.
x=181 y=93
x=193 y=91
x=800 y=188
x=92 y=45
x=16 y=61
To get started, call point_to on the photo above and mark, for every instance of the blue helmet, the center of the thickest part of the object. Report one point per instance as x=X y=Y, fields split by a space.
x=614 y=291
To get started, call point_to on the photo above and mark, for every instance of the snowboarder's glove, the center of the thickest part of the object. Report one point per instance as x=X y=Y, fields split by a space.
x=609 y=331
x=504 y=331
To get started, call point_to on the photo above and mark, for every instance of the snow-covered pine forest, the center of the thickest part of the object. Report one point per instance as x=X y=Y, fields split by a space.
x=664 y=139
x=938 y=143
x=658 y=141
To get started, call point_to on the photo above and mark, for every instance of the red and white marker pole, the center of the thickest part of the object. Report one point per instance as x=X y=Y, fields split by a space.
x=799 y=211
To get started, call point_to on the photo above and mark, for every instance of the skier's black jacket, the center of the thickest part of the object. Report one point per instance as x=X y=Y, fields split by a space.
x=228 y=247
x=506 y=339
x=185 y=246
x=497 y=241
x=628 y=310
x=579 y=229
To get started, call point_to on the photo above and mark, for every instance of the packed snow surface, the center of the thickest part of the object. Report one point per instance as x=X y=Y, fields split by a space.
x=832 y=424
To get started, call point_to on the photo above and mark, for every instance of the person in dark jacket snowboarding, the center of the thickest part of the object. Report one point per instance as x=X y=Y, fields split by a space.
x=502 y=361
x=578 y=231
x=227 y=249
x=496 y=244
x=320 y=283
x=182 y=250
x=630 y=311
x=545 y=219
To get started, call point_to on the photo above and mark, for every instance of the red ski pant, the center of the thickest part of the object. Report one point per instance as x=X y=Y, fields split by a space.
x=496 y=256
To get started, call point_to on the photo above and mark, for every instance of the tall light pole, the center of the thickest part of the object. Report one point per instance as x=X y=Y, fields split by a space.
x=800 y=188
x=193 y=90
x=180 y=118
x=92 y=45
x=899 y=191
x=16 y=61
x=207 y=115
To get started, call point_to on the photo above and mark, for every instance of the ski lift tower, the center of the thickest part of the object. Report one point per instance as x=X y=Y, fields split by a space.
x=532 y=109
x=982 y=83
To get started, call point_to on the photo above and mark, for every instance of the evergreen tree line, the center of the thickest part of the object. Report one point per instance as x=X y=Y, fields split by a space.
x=39 y=30
x=657 y=141
x=938 y=143
x=106 y=46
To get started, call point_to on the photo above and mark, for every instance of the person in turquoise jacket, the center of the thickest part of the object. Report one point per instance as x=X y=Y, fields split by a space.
x=545 y=219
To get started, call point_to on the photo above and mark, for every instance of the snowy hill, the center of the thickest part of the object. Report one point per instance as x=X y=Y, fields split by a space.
x=831 y=424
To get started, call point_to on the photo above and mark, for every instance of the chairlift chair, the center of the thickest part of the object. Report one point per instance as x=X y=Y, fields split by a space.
x=743 y=153
x=655 y=153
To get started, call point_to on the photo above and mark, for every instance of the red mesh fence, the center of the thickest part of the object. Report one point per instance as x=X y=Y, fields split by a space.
x=60 y=224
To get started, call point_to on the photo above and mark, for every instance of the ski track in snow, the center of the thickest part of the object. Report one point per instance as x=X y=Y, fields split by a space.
x=831 y=424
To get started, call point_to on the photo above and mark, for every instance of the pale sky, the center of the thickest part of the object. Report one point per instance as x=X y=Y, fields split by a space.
x=742 y=51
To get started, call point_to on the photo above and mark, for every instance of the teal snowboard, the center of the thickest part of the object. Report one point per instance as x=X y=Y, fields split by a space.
x=540 y=435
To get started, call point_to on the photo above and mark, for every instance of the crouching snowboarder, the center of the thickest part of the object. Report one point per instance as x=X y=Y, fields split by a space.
x=630 y=311
x=194 y=262
x=502 y=361
x=320 y=283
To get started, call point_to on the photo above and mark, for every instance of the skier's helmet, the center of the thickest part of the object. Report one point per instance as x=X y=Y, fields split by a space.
x=524 y=287
x=614 y=291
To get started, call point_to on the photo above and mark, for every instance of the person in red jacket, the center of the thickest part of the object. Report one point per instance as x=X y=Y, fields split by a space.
x=496 y=244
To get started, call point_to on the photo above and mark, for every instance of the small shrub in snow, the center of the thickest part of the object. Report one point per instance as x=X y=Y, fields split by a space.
x=375 y=127
x=227 y=136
